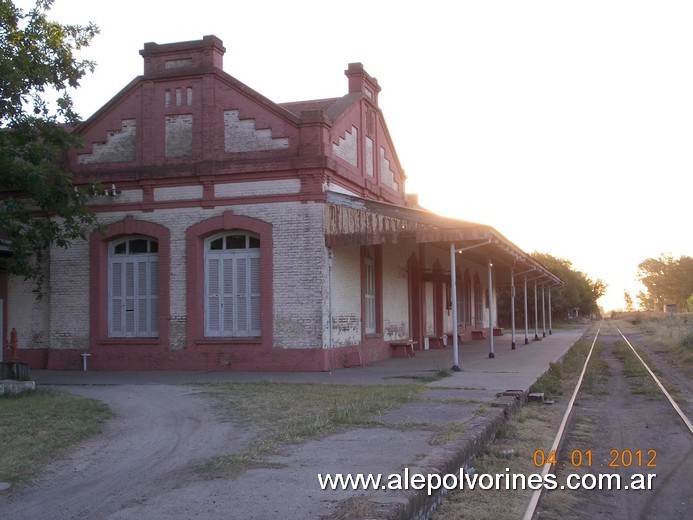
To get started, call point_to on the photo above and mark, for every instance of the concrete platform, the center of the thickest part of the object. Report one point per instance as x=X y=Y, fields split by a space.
x=401 y=444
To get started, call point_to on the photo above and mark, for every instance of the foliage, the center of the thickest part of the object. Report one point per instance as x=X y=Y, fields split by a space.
x=629 y=301
x=667 y=280
x=579 y=290
x=40 y=207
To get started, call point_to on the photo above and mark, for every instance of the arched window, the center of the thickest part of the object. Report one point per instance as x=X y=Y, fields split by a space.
x=133 y=304
x=232 y=285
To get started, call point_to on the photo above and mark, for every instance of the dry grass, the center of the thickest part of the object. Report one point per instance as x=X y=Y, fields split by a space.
x=531 y=428
x=672 y=333
x=284 y=413
x=39 y=426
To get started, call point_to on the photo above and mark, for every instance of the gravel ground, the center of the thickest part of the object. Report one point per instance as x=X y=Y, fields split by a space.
x=147 y=452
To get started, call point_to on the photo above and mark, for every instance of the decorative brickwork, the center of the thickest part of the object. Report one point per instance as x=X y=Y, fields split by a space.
x=241 y=135
x=347 y=147
x=118 y=147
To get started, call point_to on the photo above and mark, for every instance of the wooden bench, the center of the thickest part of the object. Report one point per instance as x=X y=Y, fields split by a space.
x=497 y=331
x=460 y=338
x=478 y=334
x=403 y=348
x=436 y=342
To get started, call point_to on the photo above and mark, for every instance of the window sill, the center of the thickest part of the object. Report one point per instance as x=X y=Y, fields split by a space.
x=229 y=341
x=154 y=342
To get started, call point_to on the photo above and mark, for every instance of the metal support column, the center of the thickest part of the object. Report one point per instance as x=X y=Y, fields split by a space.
x=490 y=310
x=550 y=321
x=453 y=291
x=543 y=312
x=526 y=317
x=512 y=309
x=536 y=313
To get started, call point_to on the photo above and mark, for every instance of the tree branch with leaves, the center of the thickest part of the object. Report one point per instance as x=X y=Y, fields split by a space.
x=39 y=206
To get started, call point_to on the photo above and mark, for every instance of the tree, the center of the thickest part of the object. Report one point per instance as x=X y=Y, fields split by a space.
x=667 y=280
x=579 y=290
x=40 y=207
x=629 y=300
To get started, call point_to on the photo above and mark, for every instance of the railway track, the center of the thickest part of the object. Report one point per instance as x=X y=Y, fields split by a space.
x=628 y=446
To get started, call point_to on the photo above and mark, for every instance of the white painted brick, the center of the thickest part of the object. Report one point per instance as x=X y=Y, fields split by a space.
x=27 y=313
x=69 y=296
x=395 y=292
x=347 y=147
x=369 y=156
x=300 y=282
x=253 y=189
x=118 y=147
x=178 y=193
x=241 y=135
x=179 y=135
x=346 y=297
x=387 y=176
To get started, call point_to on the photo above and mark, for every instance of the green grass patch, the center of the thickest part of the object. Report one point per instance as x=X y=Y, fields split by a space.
x=561 y=376
x=36 y=427
x=512 y=452
x=285 y=413
x=639 y=379
x=597 y=372
x=425 y=378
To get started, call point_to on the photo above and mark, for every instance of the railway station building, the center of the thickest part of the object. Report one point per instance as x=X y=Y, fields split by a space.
x=243 y=234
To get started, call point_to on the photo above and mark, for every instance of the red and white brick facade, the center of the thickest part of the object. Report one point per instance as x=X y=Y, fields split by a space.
x=194 y=154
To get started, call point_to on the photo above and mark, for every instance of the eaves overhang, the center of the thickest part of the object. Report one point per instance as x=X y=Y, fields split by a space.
x=352 y=220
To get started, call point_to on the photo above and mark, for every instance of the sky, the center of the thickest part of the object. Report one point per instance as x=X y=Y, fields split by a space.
x=566 y=125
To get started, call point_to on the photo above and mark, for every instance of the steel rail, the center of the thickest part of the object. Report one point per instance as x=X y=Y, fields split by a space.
x=534 y=501
x=676 y=407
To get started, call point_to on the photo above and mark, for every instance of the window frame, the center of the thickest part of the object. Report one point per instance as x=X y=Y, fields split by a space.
x=99 y=243
x=150 y=296
x=228 y=289
x=196 y=235
x=371 y=278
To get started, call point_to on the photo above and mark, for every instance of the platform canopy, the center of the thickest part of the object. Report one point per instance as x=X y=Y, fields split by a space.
x=356 y=221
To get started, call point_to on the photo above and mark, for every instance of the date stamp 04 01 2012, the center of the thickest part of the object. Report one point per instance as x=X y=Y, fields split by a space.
x=585 y=459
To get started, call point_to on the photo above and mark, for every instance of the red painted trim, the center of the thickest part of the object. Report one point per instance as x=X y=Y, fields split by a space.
x=201 y=203
x=98 y=247
x=437 y=301
x=3 y=296
x=202 y=357
x=378 y=267
x=195 y=282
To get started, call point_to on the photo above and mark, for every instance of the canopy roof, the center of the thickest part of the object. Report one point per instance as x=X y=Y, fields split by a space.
x=356 y=221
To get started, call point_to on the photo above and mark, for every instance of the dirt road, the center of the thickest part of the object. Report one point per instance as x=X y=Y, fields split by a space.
x=144 y=456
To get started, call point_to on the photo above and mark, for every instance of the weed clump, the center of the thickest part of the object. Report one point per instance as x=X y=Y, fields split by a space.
x=687 y=341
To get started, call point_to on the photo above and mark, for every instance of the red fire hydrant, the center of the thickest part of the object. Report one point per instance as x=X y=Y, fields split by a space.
x=13 y=346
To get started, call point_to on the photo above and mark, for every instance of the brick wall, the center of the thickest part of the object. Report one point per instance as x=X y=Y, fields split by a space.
x=27 y=313
x=346 y=297
x=241 y=135
x=347 y=146
x=118 y=147
x=395 y=292
x=69 y=297
x=179 y=135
